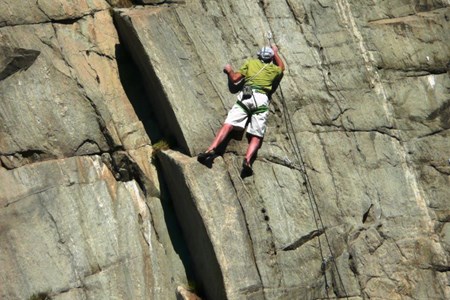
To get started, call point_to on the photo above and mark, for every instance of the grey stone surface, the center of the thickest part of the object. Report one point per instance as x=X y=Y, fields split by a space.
x=351 y=185
x=356 y=141
x=34 y=12
x=205 y=202
x=69 y=100
x=82 y=212
x=71 y=231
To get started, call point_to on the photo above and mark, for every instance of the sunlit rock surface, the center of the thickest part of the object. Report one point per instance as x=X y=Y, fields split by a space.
x=349 y=196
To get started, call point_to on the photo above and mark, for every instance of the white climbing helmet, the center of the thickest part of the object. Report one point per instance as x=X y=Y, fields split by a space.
x=265 y=53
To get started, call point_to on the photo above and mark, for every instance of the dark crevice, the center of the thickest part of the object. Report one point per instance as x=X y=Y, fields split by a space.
x=366 y=214
x=65 y=21
x=88 y=52
x=189 y=235
x=125 y=169
x=304 y=239
x=69 y=21
x=298 y=19
x=247 y=227
x=40 y=296
x=15 y=160
x=437 y=132
x=417 y=72
x=440 y=268
x=144 y=89
x=98 y=112
x=16 y=59
x=147 y=96
x=440 y=168
x=173 y=227
x=205 y=7
x=87 y=147
x=51 y=20
x=352 y=265
x=443 y=113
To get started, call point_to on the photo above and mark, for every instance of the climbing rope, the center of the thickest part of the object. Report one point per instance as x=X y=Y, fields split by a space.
x=312 y=198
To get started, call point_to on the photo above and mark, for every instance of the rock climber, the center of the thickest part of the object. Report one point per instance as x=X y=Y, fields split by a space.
x=252 y=106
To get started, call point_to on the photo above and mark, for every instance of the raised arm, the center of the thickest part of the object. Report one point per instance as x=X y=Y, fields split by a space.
x=235 y=77
x=277 y=59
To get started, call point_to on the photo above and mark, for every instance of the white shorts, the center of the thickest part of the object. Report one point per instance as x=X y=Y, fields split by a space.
x=238 y=117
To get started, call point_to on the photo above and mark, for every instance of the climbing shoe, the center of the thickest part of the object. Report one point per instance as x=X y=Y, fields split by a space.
x=246 y=168
x=204 y=156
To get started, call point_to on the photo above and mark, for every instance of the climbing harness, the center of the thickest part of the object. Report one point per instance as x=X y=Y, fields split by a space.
x=247 y=92
x=257 y=110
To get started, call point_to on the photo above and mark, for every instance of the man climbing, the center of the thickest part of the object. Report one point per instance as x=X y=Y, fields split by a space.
x=252 y=105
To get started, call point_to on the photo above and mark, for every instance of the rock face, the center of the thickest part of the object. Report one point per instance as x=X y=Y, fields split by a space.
x=81 y=205
x=349 y=196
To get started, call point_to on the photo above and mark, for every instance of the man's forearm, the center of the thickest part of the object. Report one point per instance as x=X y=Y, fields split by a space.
x=234 y=76
x=278 y=61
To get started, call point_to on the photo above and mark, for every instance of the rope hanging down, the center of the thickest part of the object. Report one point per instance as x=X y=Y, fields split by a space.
x=311 y=196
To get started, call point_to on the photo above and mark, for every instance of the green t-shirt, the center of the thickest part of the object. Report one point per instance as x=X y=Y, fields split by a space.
x=265 y=78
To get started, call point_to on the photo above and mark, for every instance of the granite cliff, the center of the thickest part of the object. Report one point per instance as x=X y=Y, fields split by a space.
x=104 y=105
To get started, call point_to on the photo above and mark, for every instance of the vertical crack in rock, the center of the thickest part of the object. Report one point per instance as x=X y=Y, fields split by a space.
x=38 y=5
x=101 y=122
x=366 y=214
x=247 y=228
x=61 y=240
x=317 y=217
x=93 y=69
x=151 y=229
x=170 y=129
x=98 y=113
x=333 y=176
x=121 y=164
x=139 y=88
x=298 y=19
x=134 y=88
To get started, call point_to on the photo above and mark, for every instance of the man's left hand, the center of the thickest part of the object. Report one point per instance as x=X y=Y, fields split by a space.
x=227 y=69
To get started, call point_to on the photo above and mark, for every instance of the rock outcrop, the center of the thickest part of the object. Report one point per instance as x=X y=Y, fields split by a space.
x=81 y=204
x=349 y=196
